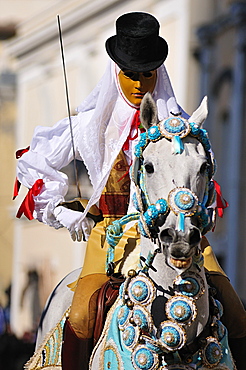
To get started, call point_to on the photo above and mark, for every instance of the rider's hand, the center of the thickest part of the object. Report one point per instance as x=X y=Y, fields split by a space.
x=72 y=221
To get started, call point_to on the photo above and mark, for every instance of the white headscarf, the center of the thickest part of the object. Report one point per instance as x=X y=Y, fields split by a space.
x=105 y=119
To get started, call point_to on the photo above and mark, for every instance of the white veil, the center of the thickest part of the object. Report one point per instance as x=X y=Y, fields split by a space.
x=105 y=119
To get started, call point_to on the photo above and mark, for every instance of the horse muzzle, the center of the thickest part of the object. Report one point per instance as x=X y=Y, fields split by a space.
x=179 y=247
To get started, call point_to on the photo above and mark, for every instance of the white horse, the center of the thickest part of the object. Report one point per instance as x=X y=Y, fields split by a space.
x=164 y=317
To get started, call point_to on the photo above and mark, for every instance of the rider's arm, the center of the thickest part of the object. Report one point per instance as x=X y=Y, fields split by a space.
x=50 y=151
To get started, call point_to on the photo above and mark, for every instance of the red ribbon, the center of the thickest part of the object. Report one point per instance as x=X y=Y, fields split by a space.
x=27 y=206
x=17 y=183
x=221 y=202
x=20 y=152
x=17 y=186
x=134 y=126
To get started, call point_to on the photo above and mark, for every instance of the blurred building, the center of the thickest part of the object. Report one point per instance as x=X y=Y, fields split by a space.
x=206 y=56
x=12 y=13
x=222 y=57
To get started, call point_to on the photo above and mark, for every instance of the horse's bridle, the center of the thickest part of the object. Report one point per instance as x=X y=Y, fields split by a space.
x=182 y=201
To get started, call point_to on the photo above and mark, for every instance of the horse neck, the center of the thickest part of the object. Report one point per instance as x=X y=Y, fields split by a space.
x=164 y=276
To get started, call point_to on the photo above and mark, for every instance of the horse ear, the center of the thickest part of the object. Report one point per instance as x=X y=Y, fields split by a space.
x=148 y=111
x=201 y=113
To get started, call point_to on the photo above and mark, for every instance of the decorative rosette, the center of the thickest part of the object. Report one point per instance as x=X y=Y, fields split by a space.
x=141 y=290
x=220 y=329
x=175 y=129
x=212 y=352
x=219 y=306
x=154 y=133
x=130 y=336
x=151 y=214
x=123 y=316
x=154 y=211
x=183 y=200
x=173 y=336
x=144 y=359
x=173 y=126
x=181 y=309
x=189 y=284
x=184 y=203
x=142 y=318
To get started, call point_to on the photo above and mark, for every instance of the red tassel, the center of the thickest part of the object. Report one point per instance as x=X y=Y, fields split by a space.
x=27 y=206
x=221 y=202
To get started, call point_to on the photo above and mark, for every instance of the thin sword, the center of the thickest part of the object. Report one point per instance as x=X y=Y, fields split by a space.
x=68 y=106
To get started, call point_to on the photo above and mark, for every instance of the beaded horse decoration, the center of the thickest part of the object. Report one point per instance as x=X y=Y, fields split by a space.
x=166 y=316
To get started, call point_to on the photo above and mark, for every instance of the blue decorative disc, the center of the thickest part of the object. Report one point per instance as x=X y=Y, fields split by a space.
x=212 y=353
x=174 y=126
x=221 y=330
x=220 y=307
x=130 y=336
x=154 y=133
x=172 y=336
x=142 y=318
x=189 y=284
x=141 y=290
x=182 y=200
x=144 y=359
x=123 y=316
x=181 y=309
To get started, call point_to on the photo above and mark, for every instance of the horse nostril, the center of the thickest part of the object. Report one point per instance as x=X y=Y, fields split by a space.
x=195 y=236
x=167 y=235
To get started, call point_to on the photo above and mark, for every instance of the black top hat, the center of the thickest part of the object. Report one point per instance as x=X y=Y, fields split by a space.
x=137 y=45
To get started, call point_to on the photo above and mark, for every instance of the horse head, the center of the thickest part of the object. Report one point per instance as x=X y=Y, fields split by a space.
x=172 y=173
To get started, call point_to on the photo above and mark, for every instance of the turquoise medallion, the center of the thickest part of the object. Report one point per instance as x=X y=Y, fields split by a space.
x=189 y=284
x=212 y=353
x=141 y=290
x=144 y=359
x=123 y=316
x=183 y=200
x=130 y=336
x=173 y=336
x=142 y=318
x=174 y=126
x=181 y=309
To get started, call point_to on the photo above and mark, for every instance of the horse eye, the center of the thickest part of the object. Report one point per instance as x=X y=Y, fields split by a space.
x=149 y=167
x=204 y=167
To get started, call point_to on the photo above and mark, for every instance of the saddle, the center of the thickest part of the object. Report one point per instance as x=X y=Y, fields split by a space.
x=105 y=300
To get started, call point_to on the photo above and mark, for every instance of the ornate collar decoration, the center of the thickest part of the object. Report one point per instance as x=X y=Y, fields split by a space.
x=150 y=345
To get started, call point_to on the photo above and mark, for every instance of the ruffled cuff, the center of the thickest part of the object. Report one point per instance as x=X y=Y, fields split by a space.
x=51 y=195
